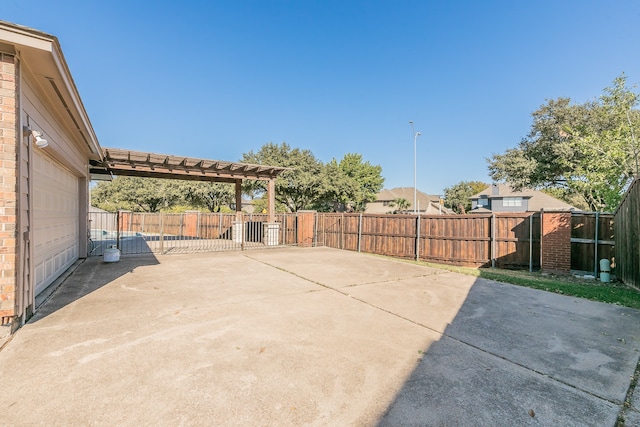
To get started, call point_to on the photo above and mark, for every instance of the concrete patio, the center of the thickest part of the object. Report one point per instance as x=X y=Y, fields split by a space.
x=314 y=336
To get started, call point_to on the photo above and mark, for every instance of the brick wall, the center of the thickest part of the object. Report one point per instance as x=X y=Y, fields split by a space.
x=8 y=187
x=556 y=242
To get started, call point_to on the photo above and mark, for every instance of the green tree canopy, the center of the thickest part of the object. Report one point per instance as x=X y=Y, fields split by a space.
x=212 y=196
x=588 y=150
x=350 y=183
x=401 y=204
x=299 y=188
x=137 y=194
x=457 y=196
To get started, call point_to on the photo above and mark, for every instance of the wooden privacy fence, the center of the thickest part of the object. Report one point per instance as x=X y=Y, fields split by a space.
x=510 y=240
x=627 y=226
x=504 y=240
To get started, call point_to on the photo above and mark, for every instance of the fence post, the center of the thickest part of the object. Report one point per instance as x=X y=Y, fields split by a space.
x=418 y=238
x=324 y=230
x=541 y=234
x=342 y=232
x=315 y=233
x=595 y=249
x=493 y=240
x=359 y=231
x=161 y=234
x=243 y=228
x=531 y=243
x=198 y=225
x=118 y=229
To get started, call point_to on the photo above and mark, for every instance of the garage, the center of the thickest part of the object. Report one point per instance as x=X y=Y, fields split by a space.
x=46 y=144
x=56 y=219
x=49 y=152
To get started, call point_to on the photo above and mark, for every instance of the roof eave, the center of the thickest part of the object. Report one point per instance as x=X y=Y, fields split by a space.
x=25 y=38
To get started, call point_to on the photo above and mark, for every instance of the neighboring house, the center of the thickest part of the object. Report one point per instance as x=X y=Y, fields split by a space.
x=501 y=198
x=426 y=204
x=47 y=143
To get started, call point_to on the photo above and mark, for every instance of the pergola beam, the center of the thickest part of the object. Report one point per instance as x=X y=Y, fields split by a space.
x=152 y=165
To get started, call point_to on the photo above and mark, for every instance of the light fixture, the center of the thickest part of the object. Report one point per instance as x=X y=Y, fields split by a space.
x=40 y=141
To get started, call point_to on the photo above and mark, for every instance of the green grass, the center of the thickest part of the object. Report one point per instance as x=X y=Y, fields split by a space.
x=612 y=293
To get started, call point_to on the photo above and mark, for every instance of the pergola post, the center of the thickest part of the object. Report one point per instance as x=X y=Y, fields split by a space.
x=238 y=199
x=271 y=195
x=238 y=225
x=271 y=227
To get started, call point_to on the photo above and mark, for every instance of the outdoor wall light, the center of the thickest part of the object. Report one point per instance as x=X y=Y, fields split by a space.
x=40 y=141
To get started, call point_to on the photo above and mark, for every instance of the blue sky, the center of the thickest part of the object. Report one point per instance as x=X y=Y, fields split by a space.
x=216 y=79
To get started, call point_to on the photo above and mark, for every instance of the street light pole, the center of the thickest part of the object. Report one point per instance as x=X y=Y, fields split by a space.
x=415 y=166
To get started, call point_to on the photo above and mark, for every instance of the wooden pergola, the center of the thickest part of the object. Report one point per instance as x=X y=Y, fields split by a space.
x=152 y=165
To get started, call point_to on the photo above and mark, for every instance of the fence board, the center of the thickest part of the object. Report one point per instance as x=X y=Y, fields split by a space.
x=585 y=228
x=507 y=240
x=455 y=239
x=627 y=228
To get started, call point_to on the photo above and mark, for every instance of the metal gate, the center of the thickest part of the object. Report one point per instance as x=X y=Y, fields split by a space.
x=168 y=233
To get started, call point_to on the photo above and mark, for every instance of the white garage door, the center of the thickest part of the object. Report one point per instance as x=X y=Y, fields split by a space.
x=55 y=220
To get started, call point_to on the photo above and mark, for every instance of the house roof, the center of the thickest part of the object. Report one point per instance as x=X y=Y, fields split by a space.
x=428 y=204
x=480 y=210
x=152 y=165
x=537 y=199
x=406 y=193
x=42 y=52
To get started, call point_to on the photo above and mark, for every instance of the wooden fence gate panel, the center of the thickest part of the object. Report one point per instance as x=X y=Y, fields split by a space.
x=592 y=239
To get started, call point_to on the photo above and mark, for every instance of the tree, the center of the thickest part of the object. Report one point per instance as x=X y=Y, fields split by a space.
x=136 y=194
x=352 y=183
x=457 y=197
x=210 y=195
x=401 y=204
x=299 y=188
x=338 y=190
x=589 y=150
x=348 y=184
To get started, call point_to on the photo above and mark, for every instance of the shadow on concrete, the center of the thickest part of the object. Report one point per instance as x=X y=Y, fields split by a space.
x=519 y=356
x=324 y=328
x=89 y=276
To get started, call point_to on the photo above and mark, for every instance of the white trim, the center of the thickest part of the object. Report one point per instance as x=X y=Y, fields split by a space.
x=24 y=38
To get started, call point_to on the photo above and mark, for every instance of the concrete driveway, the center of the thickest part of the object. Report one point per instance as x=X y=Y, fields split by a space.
x=313 y=336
